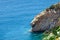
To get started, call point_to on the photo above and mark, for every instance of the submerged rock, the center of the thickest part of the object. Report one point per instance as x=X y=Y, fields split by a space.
x=47 y=19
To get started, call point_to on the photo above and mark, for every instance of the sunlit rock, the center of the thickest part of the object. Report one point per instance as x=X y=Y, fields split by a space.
x=47 y=19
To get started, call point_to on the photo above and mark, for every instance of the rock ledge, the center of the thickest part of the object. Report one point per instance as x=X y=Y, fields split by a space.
x=47 y=19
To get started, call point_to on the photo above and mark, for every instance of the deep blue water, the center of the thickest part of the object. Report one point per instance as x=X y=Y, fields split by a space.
x=16 y=15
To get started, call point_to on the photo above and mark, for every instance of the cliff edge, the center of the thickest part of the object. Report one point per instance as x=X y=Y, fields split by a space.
x=47 y=19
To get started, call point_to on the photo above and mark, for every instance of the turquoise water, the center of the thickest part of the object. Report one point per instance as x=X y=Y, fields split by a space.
x=16 y=15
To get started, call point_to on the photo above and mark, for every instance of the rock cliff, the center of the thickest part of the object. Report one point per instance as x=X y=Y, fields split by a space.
x=47 y=19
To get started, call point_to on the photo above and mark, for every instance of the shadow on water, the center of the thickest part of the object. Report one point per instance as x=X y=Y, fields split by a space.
x=36 y=35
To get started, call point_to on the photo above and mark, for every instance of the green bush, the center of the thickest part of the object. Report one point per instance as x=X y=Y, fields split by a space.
x=55 y=32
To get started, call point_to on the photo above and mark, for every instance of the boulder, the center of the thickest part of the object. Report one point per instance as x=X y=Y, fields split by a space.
x=47 y=19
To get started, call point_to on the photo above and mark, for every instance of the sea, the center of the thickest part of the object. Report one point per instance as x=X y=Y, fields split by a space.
x=16 y=15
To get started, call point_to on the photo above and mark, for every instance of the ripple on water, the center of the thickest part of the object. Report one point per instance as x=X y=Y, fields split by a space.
x=16 y=15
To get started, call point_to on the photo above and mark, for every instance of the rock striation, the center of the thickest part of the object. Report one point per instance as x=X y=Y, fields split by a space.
x=47 y=19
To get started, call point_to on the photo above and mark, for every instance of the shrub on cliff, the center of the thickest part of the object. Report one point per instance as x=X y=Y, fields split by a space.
x=54 y=35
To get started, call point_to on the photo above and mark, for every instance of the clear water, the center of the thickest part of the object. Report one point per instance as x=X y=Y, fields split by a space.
x=16 y=15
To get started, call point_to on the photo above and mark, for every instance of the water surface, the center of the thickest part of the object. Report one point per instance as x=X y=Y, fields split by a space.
x=16 y=15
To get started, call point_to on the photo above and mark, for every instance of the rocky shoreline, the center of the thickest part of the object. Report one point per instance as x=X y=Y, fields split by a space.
x=47 y=19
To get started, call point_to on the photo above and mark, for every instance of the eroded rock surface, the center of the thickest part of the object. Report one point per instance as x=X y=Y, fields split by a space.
x=47 y=19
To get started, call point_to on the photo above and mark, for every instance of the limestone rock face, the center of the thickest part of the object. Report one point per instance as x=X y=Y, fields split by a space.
x=47 y=19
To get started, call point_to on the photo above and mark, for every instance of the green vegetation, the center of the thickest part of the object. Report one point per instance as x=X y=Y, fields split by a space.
x=54 y=34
